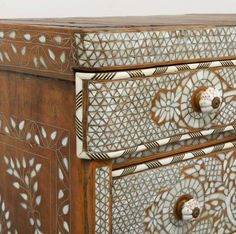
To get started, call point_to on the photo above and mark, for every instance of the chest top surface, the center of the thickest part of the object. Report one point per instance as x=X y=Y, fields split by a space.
x=58 y=47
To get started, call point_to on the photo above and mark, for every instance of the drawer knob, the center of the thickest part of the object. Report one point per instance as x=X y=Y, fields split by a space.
x=187 y=208
x=206 y=100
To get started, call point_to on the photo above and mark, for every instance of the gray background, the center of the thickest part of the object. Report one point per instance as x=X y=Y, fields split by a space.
x=66 y=8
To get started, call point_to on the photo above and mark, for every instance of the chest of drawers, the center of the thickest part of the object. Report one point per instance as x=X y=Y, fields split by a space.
x=118 y=125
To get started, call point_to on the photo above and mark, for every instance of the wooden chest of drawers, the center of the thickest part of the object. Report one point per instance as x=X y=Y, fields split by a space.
x=118 y=125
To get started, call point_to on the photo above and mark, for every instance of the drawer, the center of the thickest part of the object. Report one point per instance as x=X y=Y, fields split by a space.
x=175 y=195
x=132 y=111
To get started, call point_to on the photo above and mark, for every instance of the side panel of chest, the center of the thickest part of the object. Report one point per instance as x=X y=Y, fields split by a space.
x=37 y=145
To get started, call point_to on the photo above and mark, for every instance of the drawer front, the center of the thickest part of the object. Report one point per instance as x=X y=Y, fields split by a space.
x=149 y=201
x=138 y=110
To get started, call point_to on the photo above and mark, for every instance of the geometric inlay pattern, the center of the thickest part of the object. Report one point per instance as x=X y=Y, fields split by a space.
x=144 y=202
x=107 y=49
x=102 y=203
x=121 y=114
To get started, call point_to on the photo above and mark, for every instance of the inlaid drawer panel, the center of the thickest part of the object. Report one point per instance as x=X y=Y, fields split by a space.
x=157 y=200
x=137 y=110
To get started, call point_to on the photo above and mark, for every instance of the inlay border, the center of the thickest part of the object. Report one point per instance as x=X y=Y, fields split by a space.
x=172 y=159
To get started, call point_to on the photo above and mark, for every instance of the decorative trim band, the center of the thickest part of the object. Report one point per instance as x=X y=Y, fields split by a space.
x=154 y=144
x=141 y=73
x=172 y=159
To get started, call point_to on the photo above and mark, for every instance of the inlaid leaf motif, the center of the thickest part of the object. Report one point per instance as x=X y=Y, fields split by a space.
x=28 y=136
x=17 y=163
x=38 y=167
x=25 y=170
x=31 y=162
x=51 y=54
x=24 y=206
x=13 y=123
x=44 y=134
x=27 y=180
x=42 y=61
x=24 y=196
x=33 y=174
x=36 y=137
x=16 y=185
x=5 y=221
x=64 y=141
x=6 y=129
x=66 y=209
x=53 y=135
x=25 y=173
x=61 y=177
x=60 y=194
x=66 y=226
x=23 y=163
x=35 y=186
x=38 y=200
x=10 y=171
x=65 y=161
x=22 y=125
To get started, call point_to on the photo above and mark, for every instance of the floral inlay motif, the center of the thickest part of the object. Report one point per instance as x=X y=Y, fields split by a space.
x=210 y=180
x=6 y=225
x=174 y=105
x=25 y=173
x=37 y=134
x=165 y=106
x=167 y=199
x=153 y=216
x=36 y=49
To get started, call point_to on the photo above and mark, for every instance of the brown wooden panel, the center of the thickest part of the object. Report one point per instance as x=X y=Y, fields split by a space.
x=38 y=165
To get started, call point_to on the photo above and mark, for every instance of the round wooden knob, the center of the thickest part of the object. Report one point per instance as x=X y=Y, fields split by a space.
x=206 y=100
x=187 y=208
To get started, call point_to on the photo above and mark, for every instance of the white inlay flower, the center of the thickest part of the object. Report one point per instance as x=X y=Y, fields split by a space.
x=166 y=106
x=229 y=173
x=153 y=218
x=154 y=215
